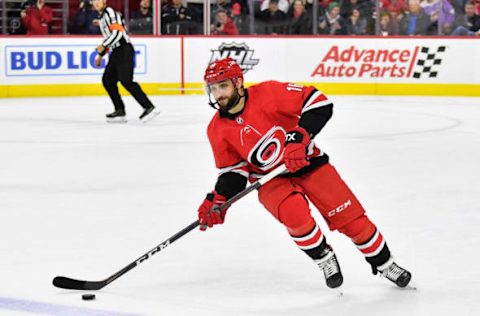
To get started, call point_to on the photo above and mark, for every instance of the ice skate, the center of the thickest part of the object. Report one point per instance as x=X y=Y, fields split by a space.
x=331 y=269
x=116 y=117
x=395 y=273
x=148 y=114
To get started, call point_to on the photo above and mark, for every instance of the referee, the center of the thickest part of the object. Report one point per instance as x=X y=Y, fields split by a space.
x=120 y=65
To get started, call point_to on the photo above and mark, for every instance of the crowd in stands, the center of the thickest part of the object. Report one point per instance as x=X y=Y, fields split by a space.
x=36 y=17
x=234 y=17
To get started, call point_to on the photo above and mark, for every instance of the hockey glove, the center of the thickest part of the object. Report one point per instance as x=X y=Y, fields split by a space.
x=295 y=153
x=209 y=213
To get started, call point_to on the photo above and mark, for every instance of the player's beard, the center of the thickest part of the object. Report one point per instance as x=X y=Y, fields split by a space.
x=232 y=101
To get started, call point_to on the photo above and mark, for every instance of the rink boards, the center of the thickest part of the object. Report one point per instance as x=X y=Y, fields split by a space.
x=64 y=66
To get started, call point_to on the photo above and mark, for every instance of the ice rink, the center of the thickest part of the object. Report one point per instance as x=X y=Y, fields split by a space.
x=82 y=198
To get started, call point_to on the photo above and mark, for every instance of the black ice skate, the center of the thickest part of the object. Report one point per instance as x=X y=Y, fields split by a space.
x=331 y=269
x=116 y=117
x=395 y=273
x=148 y=114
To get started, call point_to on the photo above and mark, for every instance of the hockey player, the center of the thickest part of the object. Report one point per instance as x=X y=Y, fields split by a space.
x=271 y=123
x=120 y=65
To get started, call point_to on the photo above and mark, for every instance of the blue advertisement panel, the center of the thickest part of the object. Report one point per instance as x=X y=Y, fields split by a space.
x=61 y=60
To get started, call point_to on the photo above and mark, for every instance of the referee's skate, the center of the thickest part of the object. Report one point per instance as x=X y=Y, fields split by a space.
x=116 y=117
x=149 y=114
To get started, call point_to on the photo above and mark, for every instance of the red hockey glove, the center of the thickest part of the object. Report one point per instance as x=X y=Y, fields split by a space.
x=209 y=212
x=295 y=153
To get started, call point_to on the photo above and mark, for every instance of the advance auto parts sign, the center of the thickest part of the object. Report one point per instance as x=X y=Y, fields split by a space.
x=418 y=62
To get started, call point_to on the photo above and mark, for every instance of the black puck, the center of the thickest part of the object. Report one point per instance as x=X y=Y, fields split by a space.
x=88 y=297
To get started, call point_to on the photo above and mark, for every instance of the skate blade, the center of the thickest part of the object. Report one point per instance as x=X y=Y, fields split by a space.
x=339 y=291
x=150 y=116
x=117 y=120
x=411 y=287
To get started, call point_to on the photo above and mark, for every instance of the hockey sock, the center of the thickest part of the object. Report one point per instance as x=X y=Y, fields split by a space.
x=368 y=240
x=294 y=213
x=313 y=243
x=375 y=250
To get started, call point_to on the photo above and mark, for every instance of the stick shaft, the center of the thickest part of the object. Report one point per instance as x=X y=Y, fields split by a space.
x=68 y=283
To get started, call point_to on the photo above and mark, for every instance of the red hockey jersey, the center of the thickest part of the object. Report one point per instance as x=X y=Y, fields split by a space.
x=251 y=144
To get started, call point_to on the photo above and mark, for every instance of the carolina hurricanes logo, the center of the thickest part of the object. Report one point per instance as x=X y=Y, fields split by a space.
x=268 y=151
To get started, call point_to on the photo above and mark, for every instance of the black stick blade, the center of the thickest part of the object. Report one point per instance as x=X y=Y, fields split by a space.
x=72 y=284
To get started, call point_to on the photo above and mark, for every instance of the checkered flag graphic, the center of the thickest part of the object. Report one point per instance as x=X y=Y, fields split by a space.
x=427 y=60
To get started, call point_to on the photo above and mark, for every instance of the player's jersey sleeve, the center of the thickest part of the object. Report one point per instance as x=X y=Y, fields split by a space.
x=298 y=99
x=226 y=158
x=311 y=106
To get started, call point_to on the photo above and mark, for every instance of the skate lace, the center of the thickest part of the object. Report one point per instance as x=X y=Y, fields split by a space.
x=329 y=266
x=393 y=272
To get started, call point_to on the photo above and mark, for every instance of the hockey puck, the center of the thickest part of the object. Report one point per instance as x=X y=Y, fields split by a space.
x=88 y=297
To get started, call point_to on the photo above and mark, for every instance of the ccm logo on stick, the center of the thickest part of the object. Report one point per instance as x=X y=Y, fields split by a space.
x=154 y=251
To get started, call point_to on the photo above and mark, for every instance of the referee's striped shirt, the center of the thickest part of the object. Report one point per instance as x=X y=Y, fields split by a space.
x=113 y=29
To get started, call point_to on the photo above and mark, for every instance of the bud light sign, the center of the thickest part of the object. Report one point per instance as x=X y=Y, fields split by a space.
x=61 y=60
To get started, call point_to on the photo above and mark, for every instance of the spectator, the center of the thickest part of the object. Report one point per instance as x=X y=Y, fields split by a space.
x=240 y=15
x=397 y=9
x=86 y=20
x=323 y=7
x=14 y=21
x=141 y=21
x=458 y=6
x=220 y=5
x=37 y=18
x=365 y=7
x=332 y=22
x=240 y=7
x=283 y=5
x=223 y=24
x=356 y=24
x=300 y=20
x=469 y=23
x=441 y=12
x=415 y=21
x=388 y=25
x=177 y=19
x=274 y=18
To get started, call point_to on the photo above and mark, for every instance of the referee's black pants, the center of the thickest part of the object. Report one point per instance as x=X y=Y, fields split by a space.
x=120 y=68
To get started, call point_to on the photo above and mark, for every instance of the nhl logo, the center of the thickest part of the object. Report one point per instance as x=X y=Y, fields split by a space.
x=241 y=53
x=239 y=120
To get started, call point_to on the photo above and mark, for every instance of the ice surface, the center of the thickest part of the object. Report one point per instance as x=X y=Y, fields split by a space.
x=83 y=198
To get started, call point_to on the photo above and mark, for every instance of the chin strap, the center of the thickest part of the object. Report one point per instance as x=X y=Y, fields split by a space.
x=224 y=110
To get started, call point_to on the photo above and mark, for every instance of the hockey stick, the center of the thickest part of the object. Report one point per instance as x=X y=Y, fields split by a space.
x=73 y=284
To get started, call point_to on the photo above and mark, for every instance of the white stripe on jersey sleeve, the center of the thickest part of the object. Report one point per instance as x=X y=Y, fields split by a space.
x=318 y=99
x=111 y=38
x=112 y=15
x=238 y=168
x=117 y=38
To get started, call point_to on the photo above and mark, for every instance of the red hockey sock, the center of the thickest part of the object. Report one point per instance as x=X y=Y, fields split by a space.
x=295 y=214
x=368 y=240
x=359 y=230
x=313 y=243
